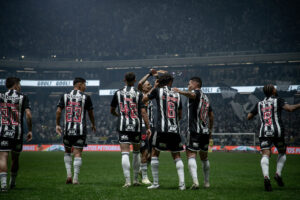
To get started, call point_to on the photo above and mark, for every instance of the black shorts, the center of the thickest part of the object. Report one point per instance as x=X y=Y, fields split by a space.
x=167 y=142
x=268 y=142
x=197 y=142
x=74 y=141
x=11 y=145
x=129 y=137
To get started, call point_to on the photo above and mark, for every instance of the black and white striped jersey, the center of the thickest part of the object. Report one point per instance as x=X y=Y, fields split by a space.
x=269 y=111
x=149 y=106
x=129 y=103
x=168 y=106
x=198 y=109
x=76 y=104
x=13 y=105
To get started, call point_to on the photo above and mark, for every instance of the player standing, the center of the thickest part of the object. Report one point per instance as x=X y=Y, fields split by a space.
x=271 y=131
x=167 y=137
x=13 y=104
x=131 y=111
x=200 y=124
x=75 y=103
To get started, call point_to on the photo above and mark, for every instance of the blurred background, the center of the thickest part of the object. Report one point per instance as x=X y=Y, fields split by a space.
x=235 y=46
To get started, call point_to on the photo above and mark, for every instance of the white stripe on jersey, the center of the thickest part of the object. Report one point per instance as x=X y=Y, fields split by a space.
x=130 y=93
x=121 y=116
x=261 y=120
x=161 y=92
x=276 y=117
x=82 y=114
x=20 y=115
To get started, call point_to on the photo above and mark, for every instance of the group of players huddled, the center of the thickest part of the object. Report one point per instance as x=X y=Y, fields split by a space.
x=134 y=109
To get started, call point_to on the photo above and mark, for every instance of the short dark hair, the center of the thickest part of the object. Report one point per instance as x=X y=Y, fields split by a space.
x=130 y=77
x=198 y=80
x=268 y=90
x=11 y=81
x=165 y=79
x=79 y=80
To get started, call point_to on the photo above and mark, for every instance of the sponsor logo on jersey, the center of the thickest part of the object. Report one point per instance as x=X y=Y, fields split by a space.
x=9 y=134
x=264 y=143
x=130 y=127
x=72 y=132
x=196 y=145
x=80 y=141
x=173 y=127
x=269 y=133
x=4 y=143
x=124 y=137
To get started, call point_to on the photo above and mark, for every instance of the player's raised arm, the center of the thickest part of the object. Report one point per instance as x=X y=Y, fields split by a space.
x=188 y=94
x=291 y=108
x=29 y=124
x=144 y=79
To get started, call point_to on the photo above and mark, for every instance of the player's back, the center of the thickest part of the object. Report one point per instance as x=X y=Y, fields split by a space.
x=129 y=103
x=13 y=104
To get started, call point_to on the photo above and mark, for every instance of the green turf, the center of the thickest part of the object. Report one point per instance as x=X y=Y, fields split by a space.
x=233 y=176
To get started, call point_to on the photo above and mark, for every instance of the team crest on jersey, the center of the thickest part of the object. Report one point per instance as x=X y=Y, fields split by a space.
x=4 y=143
x=66 y=141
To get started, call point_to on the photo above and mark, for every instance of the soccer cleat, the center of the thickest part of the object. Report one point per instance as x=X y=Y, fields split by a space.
x=206 y=185
x=136 y=183
x=181 y=187
x=153 y=186
x=279 y=181
x=3 y=189
x=146 y=181
x=268 y=186
x=126 y=185
x=69 y=180
x=195 y=187
x=75 y=182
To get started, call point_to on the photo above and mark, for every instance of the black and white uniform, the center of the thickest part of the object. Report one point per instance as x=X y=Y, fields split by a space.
x=145 y=143
x=76 y=104
x=13 y=105
x=129 y=103
x=167 y=136
x=271 y=129
x=197 y=137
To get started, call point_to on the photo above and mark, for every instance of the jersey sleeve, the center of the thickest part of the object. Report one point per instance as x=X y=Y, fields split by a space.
x=281 y=102
x=254 y=111
x=26 y=103
x=197 y=92
x=153 y=94
x=210 y=108
x=89 y=104
x=61 y=102
x=114 y=101
x=180 y=105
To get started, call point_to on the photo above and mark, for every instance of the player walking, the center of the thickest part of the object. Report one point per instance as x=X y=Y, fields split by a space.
x=131 y=110
x=167 y=136
x=200 y=123
x=271 y=131
x=13 y=104
x=75 y=103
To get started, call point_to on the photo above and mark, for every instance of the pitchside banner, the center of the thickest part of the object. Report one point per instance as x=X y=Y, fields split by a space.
x=116 y=148
x=52 y=83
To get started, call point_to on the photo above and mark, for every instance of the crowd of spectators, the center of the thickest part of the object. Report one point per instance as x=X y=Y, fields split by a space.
x=102 y=30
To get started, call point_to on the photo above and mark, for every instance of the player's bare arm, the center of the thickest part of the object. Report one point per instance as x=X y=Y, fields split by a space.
x=211 y=123
x=58 y=116
x=250 y=116
x=291 y=108
x=146 y=120
x=92 y=119
x=113 y=111
x=29 y=125
x=143 y=80
x=188 y=94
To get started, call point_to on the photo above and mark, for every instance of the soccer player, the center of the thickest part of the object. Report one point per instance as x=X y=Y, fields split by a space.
x=271 y=131
x=75 y=103
x=167 y=137
x=13 y=105
x=144 y=86
x=131 y=110
x=200 y=123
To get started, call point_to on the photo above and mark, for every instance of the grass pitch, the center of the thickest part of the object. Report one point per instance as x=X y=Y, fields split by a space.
x=233 y=176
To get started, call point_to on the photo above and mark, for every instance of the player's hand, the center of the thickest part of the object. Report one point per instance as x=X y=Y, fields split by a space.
x=29 y=136
x=94 y=128
x=211 y=142
x=148 y=133
x=156 y=84
x=161 y=71
x=58 y=130
x=153 y=72
x=175 y=89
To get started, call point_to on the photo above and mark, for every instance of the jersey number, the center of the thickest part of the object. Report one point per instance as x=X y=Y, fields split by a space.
x=14 y=115
x=171 y=110
x=268 y=118
x=132 y=109
x=69 y=114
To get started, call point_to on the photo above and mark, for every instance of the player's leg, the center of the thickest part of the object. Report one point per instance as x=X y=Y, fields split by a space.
x=192 y=164
x=180 y=169
x=144 y=166
x=77 y=163
x=68 y=163
x=281 y=147
x=136 y=162
x=125 y=149
x=14 y=168
x=154 y=168
x=205 y=167
x=265 y=146
x=3 y=170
